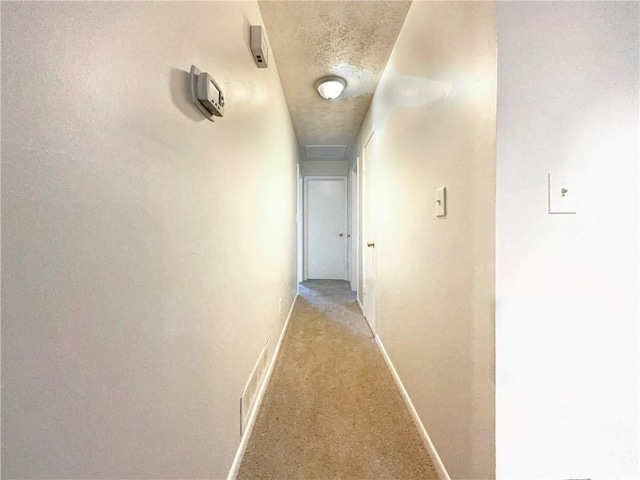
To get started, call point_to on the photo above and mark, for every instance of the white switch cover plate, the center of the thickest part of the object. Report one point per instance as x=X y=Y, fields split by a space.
x=563 y=194
x=441 y=202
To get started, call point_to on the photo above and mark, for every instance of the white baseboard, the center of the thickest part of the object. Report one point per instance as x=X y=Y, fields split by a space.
x=437 y=462
x=244 y=441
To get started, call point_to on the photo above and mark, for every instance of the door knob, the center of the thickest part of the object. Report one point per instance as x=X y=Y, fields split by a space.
x=371 y=244
x=341 y=235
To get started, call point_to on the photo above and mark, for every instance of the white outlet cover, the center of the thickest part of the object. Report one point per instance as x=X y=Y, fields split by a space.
x=562 y=193
x=441 y=202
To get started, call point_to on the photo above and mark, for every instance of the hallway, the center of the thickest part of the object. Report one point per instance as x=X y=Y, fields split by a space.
x=152 y=254
x=332 y=409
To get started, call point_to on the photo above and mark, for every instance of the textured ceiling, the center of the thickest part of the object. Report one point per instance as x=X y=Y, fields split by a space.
x=312 y=39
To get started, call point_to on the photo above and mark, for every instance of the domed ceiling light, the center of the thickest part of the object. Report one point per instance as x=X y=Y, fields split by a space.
x=331 y=87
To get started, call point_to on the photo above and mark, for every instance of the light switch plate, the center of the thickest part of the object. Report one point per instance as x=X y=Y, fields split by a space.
x=441 y=202
x=563 y=194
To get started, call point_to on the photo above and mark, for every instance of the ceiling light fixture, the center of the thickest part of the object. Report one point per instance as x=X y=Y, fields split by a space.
x=331 y=87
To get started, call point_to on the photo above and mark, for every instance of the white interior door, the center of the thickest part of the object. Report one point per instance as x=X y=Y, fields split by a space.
x=325 y=228
x=369 y=233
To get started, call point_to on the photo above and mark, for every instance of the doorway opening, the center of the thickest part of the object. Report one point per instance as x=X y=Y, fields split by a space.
x=325 y=234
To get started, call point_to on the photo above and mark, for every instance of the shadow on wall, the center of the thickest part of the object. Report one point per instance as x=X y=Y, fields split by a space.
x=180 y=88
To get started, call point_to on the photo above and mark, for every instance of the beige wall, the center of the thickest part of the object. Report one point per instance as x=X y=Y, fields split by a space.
x=135 y=297
x=567 y=304
x=434 y=122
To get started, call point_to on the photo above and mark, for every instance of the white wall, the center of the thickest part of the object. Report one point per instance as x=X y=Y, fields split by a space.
x=567 y=285
x=434 y=121
x=145 y=249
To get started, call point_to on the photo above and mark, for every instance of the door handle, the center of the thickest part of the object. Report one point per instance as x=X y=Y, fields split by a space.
x=341 y=235
x=348 y=235
x=371 y=244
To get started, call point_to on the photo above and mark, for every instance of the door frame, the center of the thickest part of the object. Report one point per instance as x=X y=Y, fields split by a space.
x=305 y=236
x=352 y=218
x=299 y=232
x=366 y=207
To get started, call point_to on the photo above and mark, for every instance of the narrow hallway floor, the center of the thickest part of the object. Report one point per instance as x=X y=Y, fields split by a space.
x=332 y=409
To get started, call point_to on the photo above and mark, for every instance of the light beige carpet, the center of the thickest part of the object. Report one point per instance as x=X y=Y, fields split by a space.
x=332 y=409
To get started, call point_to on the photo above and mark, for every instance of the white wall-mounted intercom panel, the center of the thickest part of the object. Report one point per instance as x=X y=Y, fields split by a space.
x=210 y=94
